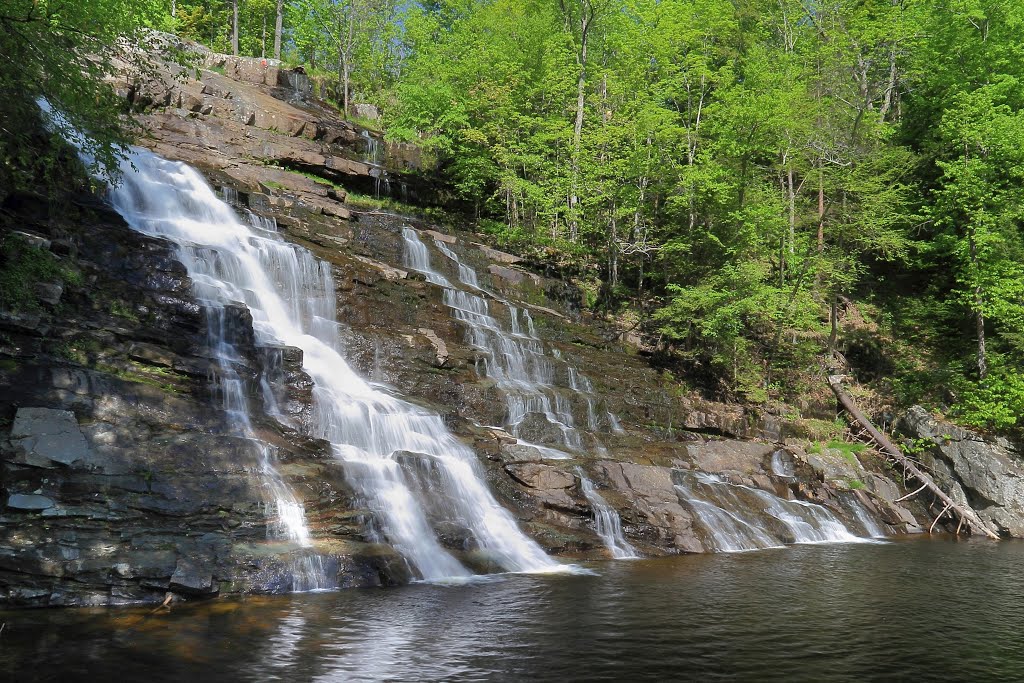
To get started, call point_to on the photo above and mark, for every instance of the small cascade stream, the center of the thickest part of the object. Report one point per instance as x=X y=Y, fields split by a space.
x=739 y=517
x=735 y=517
x=411 y=472
x=514 y=358
x=288 y=518
x=607 y=522
x=871 y=527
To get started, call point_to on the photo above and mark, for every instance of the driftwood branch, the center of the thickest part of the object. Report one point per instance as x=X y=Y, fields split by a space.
x=912 y=493
x=936 y=521
x=165 y=603
x=965 y=512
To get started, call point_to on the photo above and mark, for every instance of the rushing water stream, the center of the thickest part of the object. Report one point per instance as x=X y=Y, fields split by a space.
x=410 y=470
x=915 y=610
x=515 y=358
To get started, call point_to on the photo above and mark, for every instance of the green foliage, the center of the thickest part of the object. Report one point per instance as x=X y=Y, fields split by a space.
x=122 y=310
x=353 y=40
x=851 y=447
x=724 y=174
x=22 y=266
x=61 y=52
x=847 y=449
x=996 y=402
x=914 y=447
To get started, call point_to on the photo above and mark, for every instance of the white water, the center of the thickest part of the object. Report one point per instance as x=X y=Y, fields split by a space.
x=291 y=297
x=515 y=358
x=607 y=522
x=781 y=466
x=864 y=517
x=730 y=532
x=739 y=518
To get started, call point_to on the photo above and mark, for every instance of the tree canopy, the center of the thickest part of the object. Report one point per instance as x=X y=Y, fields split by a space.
x=61 y=51
x=771 y=188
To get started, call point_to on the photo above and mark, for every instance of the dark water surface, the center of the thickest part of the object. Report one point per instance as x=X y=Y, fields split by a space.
x=918 y=609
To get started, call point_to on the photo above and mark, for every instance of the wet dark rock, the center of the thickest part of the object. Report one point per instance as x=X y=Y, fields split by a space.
x=190 y=578
x=49 y=292
x=46 y=438
x=537 y=428
x=29 y=501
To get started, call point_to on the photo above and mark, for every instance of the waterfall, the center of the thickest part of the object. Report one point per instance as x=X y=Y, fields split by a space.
x=864 y=517
x=729 y=531
x=607 y=522
x=514 y=357
x=410 y=471
x=288 y=518
x=372 y=152
x=782 y=466
x=739 y=517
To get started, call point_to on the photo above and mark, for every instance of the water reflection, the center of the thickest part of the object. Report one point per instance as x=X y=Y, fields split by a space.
x=920 y=609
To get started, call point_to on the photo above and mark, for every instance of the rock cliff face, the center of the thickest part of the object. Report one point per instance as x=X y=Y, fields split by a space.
x=988 y=474
x=122 y=479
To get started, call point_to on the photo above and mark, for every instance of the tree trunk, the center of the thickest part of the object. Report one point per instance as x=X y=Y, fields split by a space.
x=792 y=210
x=278 y=27
x=979 y=310
x=821 y=210
x=965 y=512
x=234 y=27
x=344 y=89
x=890 y=87
x=833 y=336
x=577 y=132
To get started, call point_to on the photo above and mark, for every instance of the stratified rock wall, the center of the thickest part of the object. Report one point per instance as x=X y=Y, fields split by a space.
x=122 y=479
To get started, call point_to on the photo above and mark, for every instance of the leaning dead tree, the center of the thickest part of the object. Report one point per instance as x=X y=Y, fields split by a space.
x=964 y=512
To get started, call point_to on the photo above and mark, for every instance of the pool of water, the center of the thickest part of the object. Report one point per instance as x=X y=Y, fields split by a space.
x=915 y=609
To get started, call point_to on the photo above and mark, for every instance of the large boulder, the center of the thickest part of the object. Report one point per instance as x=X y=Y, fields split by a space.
x=987 y=473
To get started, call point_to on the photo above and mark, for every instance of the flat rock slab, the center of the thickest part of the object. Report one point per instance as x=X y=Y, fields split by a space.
x=512 y=275
x=719 y=456
x=47 y=437
x=495 y=255
x=29 y=502
x=440 y=236
x=191 y=579
x=538 y=476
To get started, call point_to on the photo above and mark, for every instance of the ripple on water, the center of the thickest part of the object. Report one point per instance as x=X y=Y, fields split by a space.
x=918 y=609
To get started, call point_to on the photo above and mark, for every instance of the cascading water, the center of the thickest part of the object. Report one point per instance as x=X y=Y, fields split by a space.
x=372 y=152
x=730 y=532
x=871 y=527
x=515 y=358
x=410 y=471
x=288 y=518
x=739 y=517
x=607 y=522
x=782 y=465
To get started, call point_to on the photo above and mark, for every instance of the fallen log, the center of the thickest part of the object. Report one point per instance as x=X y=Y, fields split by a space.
x=965 y=512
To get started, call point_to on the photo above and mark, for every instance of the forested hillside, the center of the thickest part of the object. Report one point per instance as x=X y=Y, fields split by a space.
x=766 y=188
